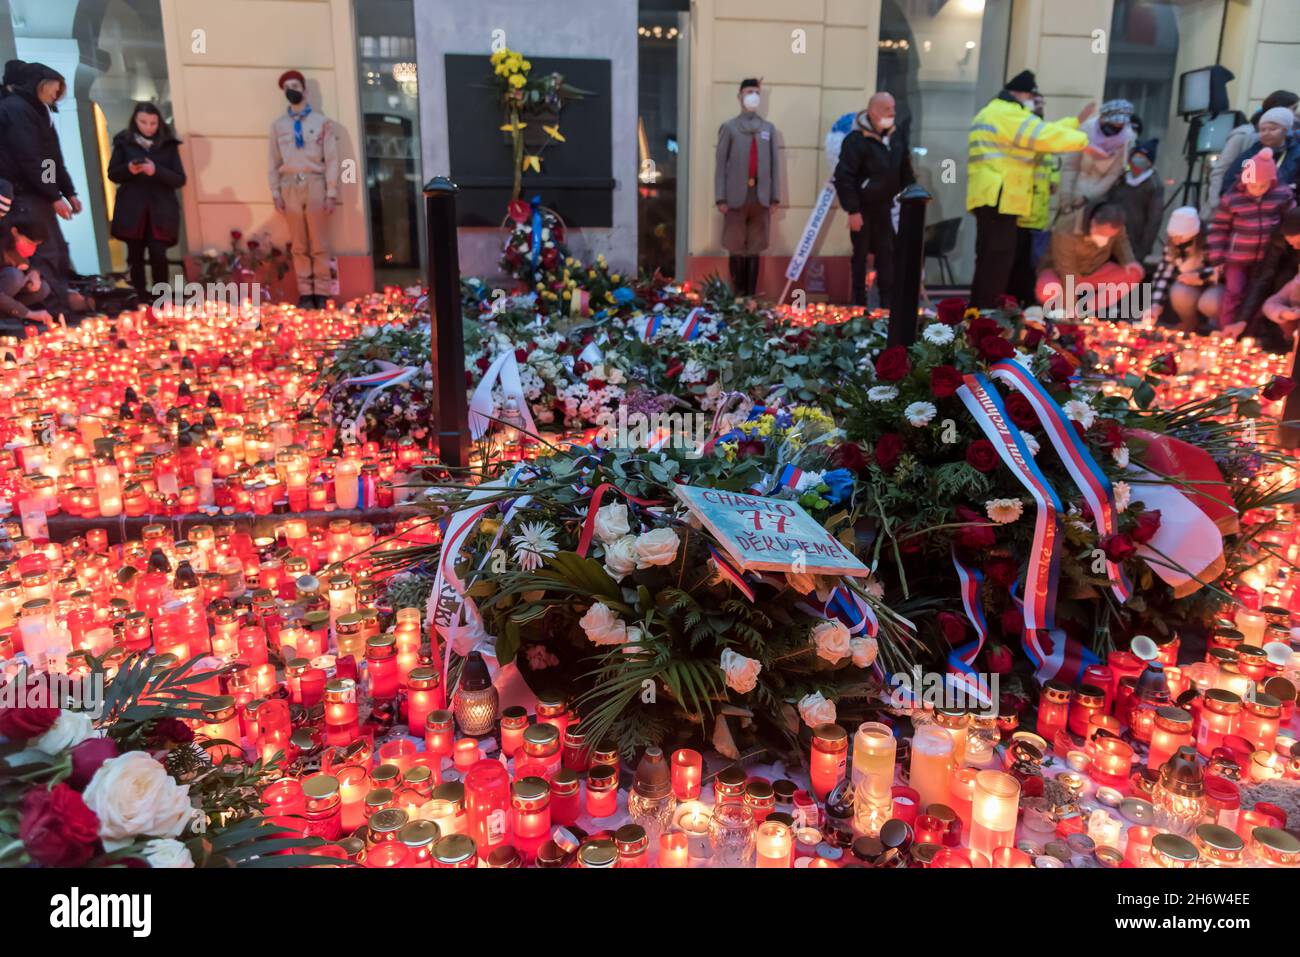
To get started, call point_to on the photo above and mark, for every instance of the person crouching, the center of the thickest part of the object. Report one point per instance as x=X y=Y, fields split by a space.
x=1090 y=271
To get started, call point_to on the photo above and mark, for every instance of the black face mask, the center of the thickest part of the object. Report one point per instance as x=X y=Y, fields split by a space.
x=293 y=96
x=1110 y=129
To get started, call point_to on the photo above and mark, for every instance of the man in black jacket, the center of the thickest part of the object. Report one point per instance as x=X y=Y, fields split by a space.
x=874 y=165
x=31 y=158
x=1277 y=268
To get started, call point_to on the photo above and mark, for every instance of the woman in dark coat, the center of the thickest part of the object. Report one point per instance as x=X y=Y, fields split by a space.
x=146 y=165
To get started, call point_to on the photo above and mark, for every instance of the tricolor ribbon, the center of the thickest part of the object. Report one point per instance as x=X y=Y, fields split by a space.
x=691 y=327
x=1054 y=654
x=1083 y=468
x=652 y=323
x=982 y=400
x=589 y=524
x=730 y=571
x=505 y=368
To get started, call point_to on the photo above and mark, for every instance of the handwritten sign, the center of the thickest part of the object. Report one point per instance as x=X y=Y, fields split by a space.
x=769 y=534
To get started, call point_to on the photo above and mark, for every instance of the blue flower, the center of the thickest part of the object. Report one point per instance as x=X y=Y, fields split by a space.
x=623 y=295
x=839 y=485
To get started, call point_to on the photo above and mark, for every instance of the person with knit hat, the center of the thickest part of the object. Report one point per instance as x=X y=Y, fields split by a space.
x=1142 y=194
x=1184 y=280
x=304 y=176
x=1092 y=272
x=1279 y=265
x=1088 y=175
x=746 y=185
x=1239 y=140
x=1005 y=139
x=1240 y=231
x=1276 y=132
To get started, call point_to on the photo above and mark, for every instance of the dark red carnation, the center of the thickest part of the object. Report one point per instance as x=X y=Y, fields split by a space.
x=951 y=310
x=889 y=447
x=170 y=731
x=1001 y=571
x=952 y=626
x=1021 y=412
x=1146 y=526
x=1032 y=786
x=91 y=753
x=20 y=722
x=483 y=363
x=992 y=348
x=997 y=658
x=57 y=828
x=849 y=455
x=944 y=381
x=1059 y=368
x=893 y=364
x=981 y=455
x=521 y=355
x=1118 y=547
x=977 y=533
x=1279 y=388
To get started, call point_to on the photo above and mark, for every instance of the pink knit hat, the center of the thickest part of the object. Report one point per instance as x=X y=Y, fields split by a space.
x=1260 y=168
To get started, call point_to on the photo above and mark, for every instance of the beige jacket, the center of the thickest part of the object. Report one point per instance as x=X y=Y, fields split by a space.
x=318 y=155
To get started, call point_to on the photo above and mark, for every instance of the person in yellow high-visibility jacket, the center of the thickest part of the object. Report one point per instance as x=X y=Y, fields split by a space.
x=1005 y=141
x=1031 y=229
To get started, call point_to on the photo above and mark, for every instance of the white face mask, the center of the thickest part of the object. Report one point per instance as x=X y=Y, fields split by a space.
x=1099 y=239
x=750 y=101
x=884 y=123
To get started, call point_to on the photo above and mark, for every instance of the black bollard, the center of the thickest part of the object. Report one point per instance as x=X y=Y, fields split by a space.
x=450 y=406
x=1289 y=433
x=909 y=263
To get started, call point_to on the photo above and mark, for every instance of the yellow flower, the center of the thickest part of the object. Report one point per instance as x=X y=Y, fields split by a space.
x=533 y=162
x=517 y=80
x=512 y=127
x=591 y=274
x=609 y=297
x=568 y=294
x=554 y=133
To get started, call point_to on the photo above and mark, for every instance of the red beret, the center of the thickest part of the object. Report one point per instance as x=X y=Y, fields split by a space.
x=288 y=75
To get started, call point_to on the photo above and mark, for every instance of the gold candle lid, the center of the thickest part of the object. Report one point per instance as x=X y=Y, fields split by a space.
x=454 y=849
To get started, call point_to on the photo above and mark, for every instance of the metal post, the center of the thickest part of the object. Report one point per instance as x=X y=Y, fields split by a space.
x=450 y=406
x=909 y=263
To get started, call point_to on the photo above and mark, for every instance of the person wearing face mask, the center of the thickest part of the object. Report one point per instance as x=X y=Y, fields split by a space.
x=873 y=167
x=32 y=159
x=1005 y=138
x=1184 y=280
x=1087 y=176
x=1278 y=267
x=746 y=185
x=22 y=289
x=1239 y=140
x=304 y=174
x=1277 y=133
x=1032 y=233
x=146 y=165
x=1142 y=195
x=1239 y=234
x=1094 y=265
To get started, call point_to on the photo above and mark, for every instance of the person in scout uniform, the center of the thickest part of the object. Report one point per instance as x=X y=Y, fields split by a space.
x=304 y=174
x=746 y=185
x=1005 y=141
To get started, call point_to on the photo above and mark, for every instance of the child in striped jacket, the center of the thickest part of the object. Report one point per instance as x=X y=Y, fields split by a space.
x=1239 y=233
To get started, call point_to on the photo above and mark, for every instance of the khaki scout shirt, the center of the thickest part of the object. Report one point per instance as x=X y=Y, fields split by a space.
x=319 y=154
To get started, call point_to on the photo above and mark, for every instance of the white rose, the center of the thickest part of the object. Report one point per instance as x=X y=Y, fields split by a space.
x=864 y=651
x=602 y=626
x=70 y=728
x=133 y=795
x=656 y=548
x=167 y=852
x=741 y=672
x=620 y=557
x=832 y=640
x=611 y=522
x=814 y=709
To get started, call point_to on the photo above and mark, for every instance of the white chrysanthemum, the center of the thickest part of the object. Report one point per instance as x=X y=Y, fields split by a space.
x=882 y=393
x=1004 y=510
x=920 y=414
x=1079 y=411
x=1031 y=443
x=1120 y=455
x=938 y=334
x=535 y=541
x=1122 y=495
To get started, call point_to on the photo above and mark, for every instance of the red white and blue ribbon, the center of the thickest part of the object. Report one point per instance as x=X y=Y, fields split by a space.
x=961 y=660
x=789 y=477
x=691 y=326
x=1083 y=468
x=981 y=398
x=728 y=569
x=652 y=323
x=853 y=610
x=1054 y=655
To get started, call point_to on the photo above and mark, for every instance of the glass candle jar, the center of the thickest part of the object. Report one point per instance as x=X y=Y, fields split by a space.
x=633 y=845
x=729 y=785
x=1220 y=713
x=732 y=836
x=530 y=802
x=221 y=723
x=774 y=844
x=553 y=708
x=1173 y=851
x=760 y=798
x=341 y=726
x=993 y=812
x=1110 y=762
x=323 y=806
x=476 y=701
x=422 y=685
x=381 y=668
x=455 y=851
x=384 y=825
x=1218 y=846
x=688 y=769
x=514 y=721
x=487 y=804
x=575 y=754
x=932 y=764
x=1261 y=717
x=957 y=723
x=602 y=791
x=566 y=802
x=1273 y=847
x=650 y=800
x=829 y=758
x=418 y=837
x=1179 y=794
x=542 y=747
x=1171 y=730
x=1088 y=701
x=874 y=751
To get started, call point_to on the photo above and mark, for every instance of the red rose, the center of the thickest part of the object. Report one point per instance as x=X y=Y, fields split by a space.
x=236 y=235
x=749 y=447
x=992 y=348
x=674 y=369
x=951 y=310
x=1148 y=523
x=1033 y=338
x=1012 y=621
x=953 y=627
x=1002 y=571
x=254 y=245
x=1032 y=786
x=944 y=381
x=1118 y=547
x=170 y=731
x=888 y=449
x=1008 y=303
x=1165 y=365
x=91 y=753
x=1060 y=368
x=57 y=828
x=581 y=367
x=981 y=326
x=849 y=455
x=977 y=533
x=1109 y=434
x=1021 y=412
x=550 y=257
x=981 y=455
x=893 y=364
x=20 y=722
x=998 y=658
x=1279 y=388
x=521 y=355
x=595 y=385
x=483 y=363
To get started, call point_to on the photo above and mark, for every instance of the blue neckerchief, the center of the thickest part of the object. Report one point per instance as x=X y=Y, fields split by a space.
x=297 y=124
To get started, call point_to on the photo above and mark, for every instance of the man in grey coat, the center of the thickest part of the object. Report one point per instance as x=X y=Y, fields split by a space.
x=746 y=184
